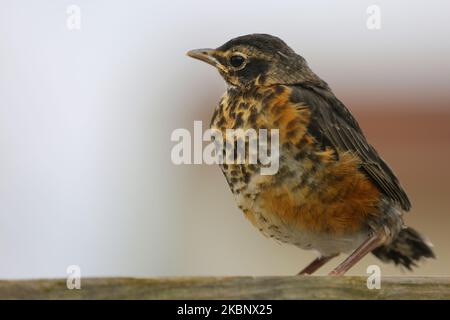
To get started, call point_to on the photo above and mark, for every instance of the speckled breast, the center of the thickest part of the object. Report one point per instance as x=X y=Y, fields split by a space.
x=314 y=193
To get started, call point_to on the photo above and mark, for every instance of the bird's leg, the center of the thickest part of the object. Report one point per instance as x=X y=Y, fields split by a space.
x=316 y=264
x=367 y=246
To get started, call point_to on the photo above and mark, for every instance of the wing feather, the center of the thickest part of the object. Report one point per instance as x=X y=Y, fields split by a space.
x=332 y=123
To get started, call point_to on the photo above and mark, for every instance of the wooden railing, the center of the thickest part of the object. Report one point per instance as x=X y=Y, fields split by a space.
x=305 y=287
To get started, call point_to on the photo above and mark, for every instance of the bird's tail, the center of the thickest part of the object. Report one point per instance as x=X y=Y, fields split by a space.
x=406 y=249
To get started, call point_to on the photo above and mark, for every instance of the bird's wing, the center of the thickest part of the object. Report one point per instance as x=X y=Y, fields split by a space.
x=333 y=125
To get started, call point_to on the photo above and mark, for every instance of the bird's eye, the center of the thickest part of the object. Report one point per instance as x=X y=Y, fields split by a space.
x=237 y=61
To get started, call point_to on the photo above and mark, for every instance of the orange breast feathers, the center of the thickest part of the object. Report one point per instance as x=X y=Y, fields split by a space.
x=341 y=200
x=291 y=119
x=337 y=198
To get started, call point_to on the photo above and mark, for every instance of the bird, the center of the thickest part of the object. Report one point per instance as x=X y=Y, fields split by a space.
x=333 y=193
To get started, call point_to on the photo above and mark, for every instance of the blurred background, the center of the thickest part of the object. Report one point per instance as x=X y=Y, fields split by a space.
x=86 y=117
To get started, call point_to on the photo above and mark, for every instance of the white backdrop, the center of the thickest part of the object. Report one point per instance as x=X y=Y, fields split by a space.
x=86 y=117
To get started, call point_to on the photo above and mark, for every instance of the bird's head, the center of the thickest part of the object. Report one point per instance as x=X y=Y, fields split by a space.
x=256 y=60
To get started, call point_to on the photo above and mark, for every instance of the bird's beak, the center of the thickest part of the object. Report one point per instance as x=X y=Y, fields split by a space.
x=205 y=55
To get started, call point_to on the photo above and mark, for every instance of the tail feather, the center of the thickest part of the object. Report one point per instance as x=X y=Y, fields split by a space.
x=406 y=249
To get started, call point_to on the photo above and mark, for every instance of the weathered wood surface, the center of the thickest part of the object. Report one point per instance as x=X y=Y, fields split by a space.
x=306 y=287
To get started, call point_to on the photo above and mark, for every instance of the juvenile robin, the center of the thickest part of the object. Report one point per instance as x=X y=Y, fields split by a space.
x=332 y=193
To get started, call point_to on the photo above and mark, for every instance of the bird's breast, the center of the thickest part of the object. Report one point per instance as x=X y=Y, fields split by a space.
x=314 y=191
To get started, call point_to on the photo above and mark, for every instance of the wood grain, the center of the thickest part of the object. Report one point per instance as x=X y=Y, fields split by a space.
x=297 y=287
